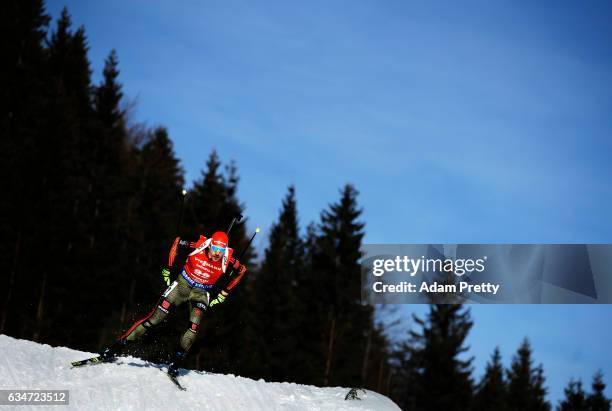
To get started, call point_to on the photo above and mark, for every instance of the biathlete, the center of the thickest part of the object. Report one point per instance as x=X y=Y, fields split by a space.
x=201 y=276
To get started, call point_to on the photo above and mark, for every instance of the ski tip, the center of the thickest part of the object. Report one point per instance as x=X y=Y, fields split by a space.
x=91 y=361
x=257 y=230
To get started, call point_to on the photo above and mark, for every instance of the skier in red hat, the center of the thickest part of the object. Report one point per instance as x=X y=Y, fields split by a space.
x=199 y=279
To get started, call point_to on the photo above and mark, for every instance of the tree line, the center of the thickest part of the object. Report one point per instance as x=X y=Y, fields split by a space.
x=91 y=203
x=434 y=372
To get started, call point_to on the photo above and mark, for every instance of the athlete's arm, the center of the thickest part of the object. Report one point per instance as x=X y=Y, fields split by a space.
x=241 y=270
x=179 y=245
x=234 y=281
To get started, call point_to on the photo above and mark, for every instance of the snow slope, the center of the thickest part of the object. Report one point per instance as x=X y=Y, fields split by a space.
x=134 y=384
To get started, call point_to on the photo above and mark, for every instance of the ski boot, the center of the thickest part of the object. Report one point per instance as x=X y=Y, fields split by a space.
x=111 y=352
x=173 y=368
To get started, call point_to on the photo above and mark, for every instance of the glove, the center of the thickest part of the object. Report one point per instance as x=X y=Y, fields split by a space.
x=166 y=275
x=220 y=298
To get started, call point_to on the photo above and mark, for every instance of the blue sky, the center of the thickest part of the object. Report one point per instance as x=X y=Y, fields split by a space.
x=457 y=122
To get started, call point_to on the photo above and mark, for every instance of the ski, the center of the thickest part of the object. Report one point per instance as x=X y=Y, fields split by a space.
x=89 y=361
x=175 y=381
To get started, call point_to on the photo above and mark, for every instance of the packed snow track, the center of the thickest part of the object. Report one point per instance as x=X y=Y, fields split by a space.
x=134 y=384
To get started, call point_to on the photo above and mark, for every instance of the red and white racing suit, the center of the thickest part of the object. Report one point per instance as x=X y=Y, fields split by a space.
x=199 y=270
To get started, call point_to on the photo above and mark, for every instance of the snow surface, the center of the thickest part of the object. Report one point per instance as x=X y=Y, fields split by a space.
x=134 y=384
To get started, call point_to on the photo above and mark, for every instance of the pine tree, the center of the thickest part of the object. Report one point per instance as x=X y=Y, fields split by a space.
x=69 y=64
x=526 y=390
x=108 y=95
x=65 y=202
x=214 y=203
x=276 y=285
x=312 y=317
x=208 y=197
x=110 y=186
x=233 y=207
x=442 y=379
x=339 y=249
x=491 y=391
x=23 y=100
x=23 y=77
x=161 y=182
x=597 y=400
x=575 y=398
x=344 y=322
x=404 y=387
x=151 y=215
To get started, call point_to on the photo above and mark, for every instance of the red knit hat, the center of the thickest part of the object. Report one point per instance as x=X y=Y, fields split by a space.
x=219 y=239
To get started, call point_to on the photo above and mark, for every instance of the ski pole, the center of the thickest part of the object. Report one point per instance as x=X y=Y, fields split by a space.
x=244 y=250
x=229 y=274
x=248 y=244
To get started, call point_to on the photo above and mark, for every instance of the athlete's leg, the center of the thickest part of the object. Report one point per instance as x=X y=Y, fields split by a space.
x=195 y=317
x=199 y=303
x=175 y=295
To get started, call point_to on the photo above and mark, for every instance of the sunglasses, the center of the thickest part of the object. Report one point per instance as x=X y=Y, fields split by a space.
x=217 y=249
